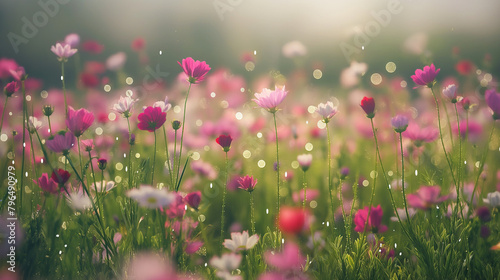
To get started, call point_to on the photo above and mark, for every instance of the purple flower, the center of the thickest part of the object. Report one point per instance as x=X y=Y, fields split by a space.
x=493 y=100
x=399 y=123
x=61 y=142
x=450 y=92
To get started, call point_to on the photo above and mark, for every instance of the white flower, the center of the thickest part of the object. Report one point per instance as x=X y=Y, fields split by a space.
x=492 y=199
x=164 y=105
x=450 y=91
x=124 y=105
x=305 y=161
x=294 y=49
x=149 y=197
x=79 y=201
x=34 y=123
x=402 y=214
x=107 y=186
x=327 y=111
x=227 y=262
x=241 y=241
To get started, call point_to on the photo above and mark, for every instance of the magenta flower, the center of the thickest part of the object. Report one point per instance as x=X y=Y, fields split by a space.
x=6 y=65
x=270 y=99
x=60 y=176
x=368 y=105
x=247 y=183
x=426 y=197
x=47 y=184
x=399 y=123
x=193 y=199
x=225 y=142
x=19 y=74
x=420 y=135
x=11 y=88
x=151 y=119
x=374 y=221
x=193 y=247
x=195 y=70
x=63 y=51
x=425 y=77
x=79 y=121
x=62 y=142
x=493 y=100
x=290 y=259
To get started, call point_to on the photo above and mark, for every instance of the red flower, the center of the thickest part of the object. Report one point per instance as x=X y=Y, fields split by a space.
x=368 y=105
x=193 y=199
x=138 y=44
x=152 y=119
x=61 y=177
x=464 y=67
x=195 y=70
x=291 y=220
x=225 y=142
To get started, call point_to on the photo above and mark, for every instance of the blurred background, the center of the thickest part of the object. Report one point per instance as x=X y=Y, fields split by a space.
x=228 y=33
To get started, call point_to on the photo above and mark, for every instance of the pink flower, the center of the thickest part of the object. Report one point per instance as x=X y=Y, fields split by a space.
x=475 y=130
x=305 y=161
x=151 y=119
x=193 y=247
x=116 y=61
x=368 y=105
x=204 y=169
x=61 y=142
x=195 y=70
x=6 y=65
x=327 y=111
x=270 y=99
x=419 y=135
x=79 y=121
x=247 y=183
x=450 y=92
x=18 y=74
x=124 y=105
x=289 y=259
x=138 y=44
x=73 y=40
x=374 y=221
x=291 y=220
x=425 y=77
x=399 y=123
x=426 y=197
x=193 y=199
x=177 y=208
x=11 y=88
x=87 y=144
x=92 y=47
x=310 y=195
x=164 y=105
x=47 y=184
x=225 y=142
x=63 y=51
x=493 y=100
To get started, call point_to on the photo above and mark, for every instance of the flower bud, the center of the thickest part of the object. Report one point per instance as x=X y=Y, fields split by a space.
x=48 y=110
x=101 y=163
x=176 y=124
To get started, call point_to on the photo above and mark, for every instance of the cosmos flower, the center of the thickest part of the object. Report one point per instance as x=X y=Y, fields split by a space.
x=63 y=51
x=163 y=105
x=108 y=185
x=493 y=100
x=62 y=142
x=425 y=77
x=492 y=199
x=79 y=121
x=151 y=119
x=399 y=123
x=374 y=221
x=426 y=197
x=327 y=111
x=247 y=183
x=368 y=105
x=305 y=161
x=450 y=92
x=124 y=106
x=225 y=264
x=11 y=88
x=195 y=70
x=193 y=199
x=47 y=184
x=241 y=241
x=291 y=220
x=270 y=99
x=149 y=197
x=225 y=142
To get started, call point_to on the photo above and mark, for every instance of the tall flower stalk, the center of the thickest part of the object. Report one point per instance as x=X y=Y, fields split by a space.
x=8 y=90
x=225 y=142
x=63 y=52
x=399 y=124
x=248 y=183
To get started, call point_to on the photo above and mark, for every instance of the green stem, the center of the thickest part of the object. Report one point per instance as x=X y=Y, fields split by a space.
x=441 y=136
x=481 y=166
x=3 y=113
x=344 y=216
x=168 y=158
x=173 y=162
x=252 y=212
x=129 y=156
x=25 y=113
x=277 y=165
x=223 y=204
x=182 y=133
x=64 y=89
x=459 y=167
x=80 y=156
x=304 y=184
x=330 y=191
x=403 y=179
x=154 y=161
x=50 y=127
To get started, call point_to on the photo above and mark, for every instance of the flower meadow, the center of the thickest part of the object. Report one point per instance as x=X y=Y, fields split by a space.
x=222 y=176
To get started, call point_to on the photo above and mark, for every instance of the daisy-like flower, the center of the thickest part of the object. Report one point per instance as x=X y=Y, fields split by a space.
x=374 y=221
x=87 y=144
x=33 y=124
x=61 y=142
x=149 y=197
x=163 y=105
x=72 y=39
x=79 y=121
x=270 y=99
x=47 y=184
x=402 y=214
x=326 y=110
x=492 y=199
x=108 y=185
x=124 y=106
x=195 y=70
x=247 y=183
x=63 y=51
x=426 y=197
x=305 y=161
x=241 y=241
x=426 y=76
x=79 y=200
x=226 y=263
x=151 y=119
x=399 y=123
